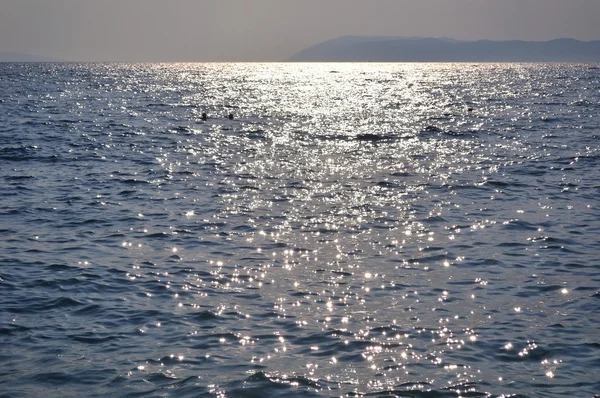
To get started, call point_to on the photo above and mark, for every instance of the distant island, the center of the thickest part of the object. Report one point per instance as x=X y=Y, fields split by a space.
x=418 y=49
x=20 y=57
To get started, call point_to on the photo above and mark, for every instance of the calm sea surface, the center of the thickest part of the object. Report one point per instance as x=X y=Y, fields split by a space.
x=410 y=230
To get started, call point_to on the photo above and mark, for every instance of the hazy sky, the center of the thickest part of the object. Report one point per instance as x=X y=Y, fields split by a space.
x=252 y=30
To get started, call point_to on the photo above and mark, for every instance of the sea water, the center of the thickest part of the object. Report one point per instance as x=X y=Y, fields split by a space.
x=411 y=230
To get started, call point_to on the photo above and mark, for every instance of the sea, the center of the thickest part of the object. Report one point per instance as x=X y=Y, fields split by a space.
x=330 y=230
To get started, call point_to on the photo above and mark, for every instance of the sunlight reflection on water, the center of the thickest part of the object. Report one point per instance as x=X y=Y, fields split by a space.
x=354 y=228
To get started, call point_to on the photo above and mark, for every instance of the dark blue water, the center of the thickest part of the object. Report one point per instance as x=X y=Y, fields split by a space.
x=412 y=230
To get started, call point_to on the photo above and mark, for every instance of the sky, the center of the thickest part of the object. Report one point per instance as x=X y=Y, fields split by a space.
x=269 y=30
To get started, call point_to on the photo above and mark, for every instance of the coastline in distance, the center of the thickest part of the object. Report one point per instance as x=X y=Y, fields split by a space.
x=417 y=49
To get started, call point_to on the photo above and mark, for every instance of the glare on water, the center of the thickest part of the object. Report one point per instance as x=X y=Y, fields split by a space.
x=355 y=228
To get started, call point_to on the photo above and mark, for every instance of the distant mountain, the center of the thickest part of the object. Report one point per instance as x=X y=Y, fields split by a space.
x=418 y=49
x=19 y=57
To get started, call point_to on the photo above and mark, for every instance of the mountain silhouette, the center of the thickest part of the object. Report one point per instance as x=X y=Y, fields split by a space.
x=418 y=49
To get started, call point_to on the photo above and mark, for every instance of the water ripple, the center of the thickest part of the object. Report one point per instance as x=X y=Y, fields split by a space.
x=421 y=230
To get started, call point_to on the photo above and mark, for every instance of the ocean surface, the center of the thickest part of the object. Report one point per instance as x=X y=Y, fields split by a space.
x=407 y=230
